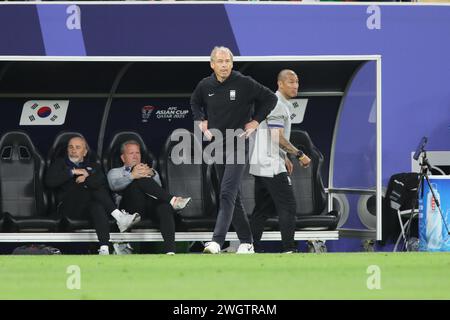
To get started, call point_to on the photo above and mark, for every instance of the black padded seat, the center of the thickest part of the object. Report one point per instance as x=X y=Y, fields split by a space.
x=181 y=176
x=57 y=150
x=312 y=213
x=71 y=224
x=146 y=224
x=316 y=222
x=23 y=198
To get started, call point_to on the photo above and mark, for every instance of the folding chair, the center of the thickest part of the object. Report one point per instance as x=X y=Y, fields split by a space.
x=402 y=199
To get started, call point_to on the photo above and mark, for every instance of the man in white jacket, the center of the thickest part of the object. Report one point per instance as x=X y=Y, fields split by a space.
x=271 y=166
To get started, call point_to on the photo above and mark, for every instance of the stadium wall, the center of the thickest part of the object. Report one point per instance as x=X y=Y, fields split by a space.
x=411 y=39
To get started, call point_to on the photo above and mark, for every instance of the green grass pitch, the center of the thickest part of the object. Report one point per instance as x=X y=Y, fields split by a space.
x=229 y=276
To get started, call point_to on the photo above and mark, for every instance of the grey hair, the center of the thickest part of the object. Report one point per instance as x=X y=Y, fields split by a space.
x=79 y=136
x=123 y=145
x=220 y=48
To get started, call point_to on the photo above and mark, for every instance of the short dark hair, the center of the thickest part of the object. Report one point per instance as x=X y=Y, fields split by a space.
x=284 y=73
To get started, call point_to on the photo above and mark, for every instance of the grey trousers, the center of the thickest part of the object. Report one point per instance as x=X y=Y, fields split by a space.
x=231 y=208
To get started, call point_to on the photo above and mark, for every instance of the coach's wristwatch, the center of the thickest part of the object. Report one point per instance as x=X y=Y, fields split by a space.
x=300 y=155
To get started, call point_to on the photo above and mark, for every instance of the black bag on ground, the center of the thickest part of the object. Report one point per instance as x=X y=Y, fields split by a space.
x=36 y=249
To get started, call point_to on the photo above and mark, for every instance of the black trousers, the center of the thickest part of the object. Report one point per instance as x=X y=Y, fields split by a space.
x=274 y=195
x=93 y=204
x=140 y=196
x=231 y=208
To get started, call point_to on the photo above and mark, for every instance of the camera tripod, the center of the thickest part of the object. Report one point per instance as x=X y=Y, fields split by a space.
x=423 y=176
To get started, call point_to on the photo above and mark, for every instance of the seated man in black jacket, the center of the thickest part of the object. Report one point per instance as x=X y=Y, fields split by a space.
x=81 y=189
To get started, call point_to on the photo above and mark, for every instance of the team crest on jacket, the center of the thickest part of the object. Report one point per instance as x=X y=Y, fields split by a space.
x=232 y=95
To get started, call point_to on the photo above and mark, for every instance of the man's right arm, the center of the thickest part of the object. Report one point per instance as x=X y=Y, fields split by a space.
x=275 y=122
x=285 y=145
x=57 y=174
x=197 y=104
x=119 y=179
x=198 y=111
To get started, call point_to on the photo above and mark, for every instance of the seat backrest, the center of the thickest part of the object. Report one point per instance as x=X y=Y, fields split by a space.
x=307 y=182
x=181 y=176
x=111 y=156
x=21 y=174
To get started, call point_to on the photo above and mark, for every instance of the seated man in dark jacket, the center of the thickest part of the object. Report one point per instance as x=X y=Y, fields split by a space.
x=81 y=189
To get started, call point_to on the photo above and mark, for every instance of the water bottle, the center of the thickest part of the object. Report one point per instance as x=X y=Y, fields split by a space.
x=434 y=221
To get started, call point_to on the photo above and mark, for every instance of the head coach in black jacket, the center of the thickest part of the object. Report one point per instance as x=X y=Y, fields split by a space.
x=224 y=101
x=81 y=190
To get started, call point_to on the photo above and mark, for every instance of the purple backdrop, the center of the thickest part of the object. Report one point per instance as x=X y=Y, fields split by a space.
x=412 y=41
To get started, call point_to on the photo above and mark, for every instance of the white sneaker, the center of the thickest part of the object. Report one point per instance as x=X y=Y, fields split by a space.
x=103 y=251
x=170 y=253
x=121 y=248
x=245 y=248
x=212 y=247
x=125 y=220
x=179 y=203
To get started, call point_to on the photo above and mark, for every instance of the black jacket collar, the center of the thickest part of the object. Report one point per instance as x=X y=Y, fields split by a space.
x=233 y=76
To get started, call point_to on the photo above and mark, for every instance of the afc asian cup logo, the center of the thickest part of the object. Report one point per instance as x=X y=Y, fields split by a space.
x=146 y=112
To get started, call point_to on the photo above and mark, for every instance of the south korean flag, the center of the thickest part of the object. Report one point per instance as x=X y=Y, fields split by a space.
x=44 y=112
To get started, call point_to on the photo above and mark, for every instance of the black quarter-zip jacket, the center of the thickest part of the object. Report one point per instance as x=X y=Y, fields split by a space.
x=232 y=103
